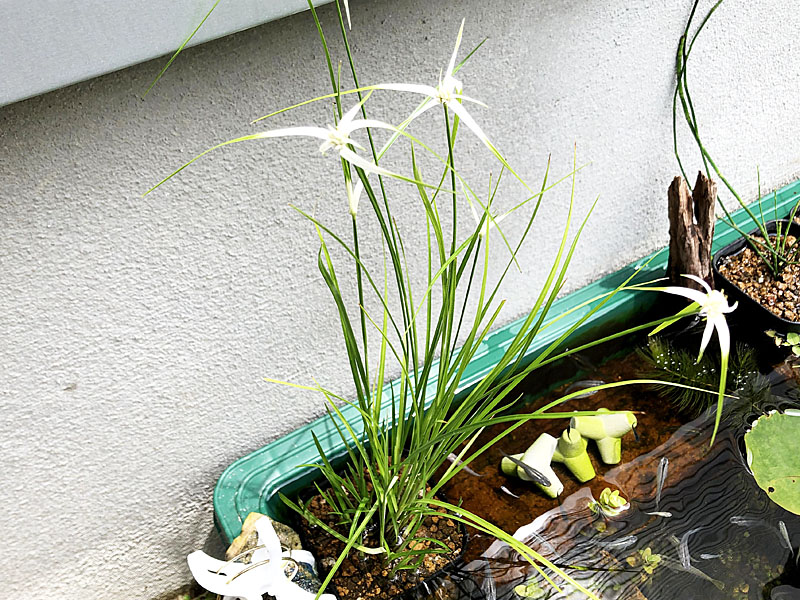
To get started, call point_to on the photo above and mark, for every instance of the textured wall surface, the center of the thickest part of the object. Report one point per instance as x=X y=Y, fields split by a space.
x=136 y=330
x=45 y=45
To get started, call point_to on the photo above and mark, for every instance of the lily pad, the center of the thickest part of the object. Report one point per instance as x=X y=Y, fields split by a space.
x=773 y=457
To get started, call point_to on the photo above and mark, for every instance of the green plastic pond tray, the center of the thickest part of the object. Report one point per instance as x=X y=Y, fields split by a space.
x=252 y=483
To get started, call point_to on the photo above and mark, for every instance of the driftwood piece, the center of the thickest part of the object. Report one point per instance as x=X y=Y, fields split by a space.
x=691 y=230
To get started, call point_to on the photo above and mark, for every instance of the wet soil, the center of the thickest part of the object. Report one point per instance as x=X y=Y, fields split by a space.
x=365 y=577
x=748 y=272
x=483 y=494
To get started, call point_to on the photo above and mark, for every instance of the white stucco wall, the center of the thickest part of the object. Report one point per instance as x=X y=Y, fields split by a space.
x=135 y=332
x=47 y=44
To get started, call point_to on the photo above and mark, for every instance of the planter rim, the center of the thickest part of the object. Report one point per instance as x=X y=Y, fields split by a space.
x=252 y=482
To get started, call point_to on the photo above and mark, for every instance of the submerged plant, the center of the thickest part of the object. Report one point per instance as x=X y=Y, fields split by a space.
x=776 y=250
x=646 y=560
x=674 y=364
x=429 y=419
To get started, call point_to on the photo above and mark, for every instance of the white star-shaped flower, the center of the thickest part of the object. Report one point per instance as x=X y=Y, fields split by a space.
x=713 y=307
x=337 y=137
x=448 y=93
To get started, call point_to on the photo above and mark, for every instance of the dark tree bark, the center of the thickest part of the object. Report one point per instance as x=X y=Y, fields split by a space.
x=691 y=230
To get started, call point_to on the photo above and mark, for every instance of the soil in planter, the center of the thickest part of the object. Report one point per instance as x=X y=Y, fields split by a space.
x=364 y=577
x=748 y=272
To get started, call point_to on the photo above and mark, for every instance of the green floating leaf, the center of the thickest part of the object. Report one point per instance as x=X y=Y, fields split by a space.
x=772 y=455
x=530 y=589
x=793 y=338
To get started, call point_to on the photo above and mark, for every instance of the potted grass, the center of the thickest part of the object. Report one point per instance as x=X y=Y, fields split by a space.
x=762 y=269
x=380 y=506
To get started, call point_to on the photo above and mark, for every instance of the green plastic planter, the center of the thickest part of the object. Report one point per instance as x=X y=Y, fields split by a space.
x=252 y=483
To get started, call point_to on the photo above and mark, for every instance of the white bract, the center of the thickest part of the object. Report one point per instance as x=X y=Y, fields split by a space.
x=347 y=10
x=354 y=195
x=337 y=137
x=334 y=137
x=713 y=306
x=448 y=93
x=264 y=575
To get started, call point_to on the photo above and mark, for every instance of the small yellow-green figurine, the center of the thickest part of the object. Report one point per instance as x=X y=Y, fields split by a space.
x=534 y=465
x=607 y=431
x=571 y=451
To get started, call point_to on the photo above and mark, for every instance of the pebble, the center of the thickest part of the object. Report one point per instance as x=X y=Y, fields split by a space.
x=248 y=539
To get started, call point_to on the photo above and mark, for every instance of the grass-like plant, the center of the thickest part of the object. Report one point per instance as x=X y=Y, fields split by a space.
x=406 y=434
x=773 y=249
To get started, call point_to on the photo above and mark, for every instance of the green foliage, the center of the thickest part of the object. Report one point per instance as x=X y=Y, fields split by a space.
x=791 y=341
x=772 y=456
x=773 y=249
x=646 y=559
x=679 y=366
x=530 y=589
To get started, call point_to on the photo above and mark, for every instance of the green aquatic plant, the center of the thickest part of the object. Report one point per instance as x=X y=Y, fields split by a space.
x=609 y=504
x=676 y=365
x=772 y=455
x=791 y=341
x=530 y=589
x=646 y=559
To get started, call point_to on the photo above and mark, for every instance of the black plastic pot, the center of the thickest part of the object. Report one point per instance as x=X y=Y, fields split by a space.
x=761 y=316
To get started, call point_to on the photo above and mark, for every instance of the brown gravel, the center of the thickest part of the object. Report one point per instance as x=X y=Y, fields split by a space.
x=747 y=271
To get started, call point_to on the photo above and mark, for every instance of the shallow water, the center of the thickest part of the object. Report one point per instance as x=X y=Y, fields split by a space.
x=715 y=532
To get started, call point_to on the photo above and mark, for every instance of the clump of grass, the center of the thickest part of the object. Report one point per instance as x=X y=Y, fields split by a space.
x=777 y=251
x=676 y=365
